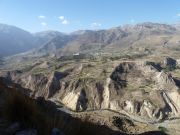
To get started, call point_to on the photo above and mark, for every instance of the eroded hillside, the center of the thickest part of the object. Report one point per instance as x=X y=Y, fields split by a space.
x=139 y=88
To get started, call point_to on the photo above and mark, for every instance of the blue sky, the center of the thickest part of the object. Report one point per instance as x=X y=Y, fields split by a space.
x=71 y=15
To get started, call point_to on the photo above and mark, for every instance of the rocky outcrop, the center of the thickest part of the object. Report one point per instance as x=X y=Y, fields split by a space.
x=165 y=81
x=159 y=82
x=106 y=94
x=71 y=100
x=139 y=89
x=172 y=101
x=169 y=62
x=39 y=84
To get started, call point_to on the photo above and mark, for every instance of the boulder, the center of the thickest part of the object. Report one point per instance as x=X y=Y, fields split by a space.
x=169 y=62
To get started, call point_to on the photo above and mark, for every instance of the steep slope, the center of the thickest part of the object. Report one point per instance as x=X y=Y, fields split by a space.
x=145 y=36
x=21 y=114
x=45 y=36
x=138 y=89
x=52 y=45
x=141 y=36
x=15 y=40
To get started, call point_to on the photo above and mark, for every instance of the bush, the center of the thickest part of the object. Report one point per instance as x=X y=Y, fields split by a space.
x=169 y=68
x=162 y=129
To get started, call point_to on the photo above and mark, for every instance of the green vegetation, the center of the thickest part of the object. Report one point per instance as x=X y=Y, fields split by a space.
x=162 y=129
x=169 y=68
x=39 y=70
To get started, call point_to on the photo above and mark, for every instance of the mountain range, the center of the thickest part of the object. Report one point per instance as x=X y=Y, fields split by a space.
x=14 y=40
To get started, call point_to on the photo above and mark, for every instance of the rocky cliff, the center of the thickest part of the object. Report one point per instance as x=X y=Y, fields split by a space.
x=139 y=89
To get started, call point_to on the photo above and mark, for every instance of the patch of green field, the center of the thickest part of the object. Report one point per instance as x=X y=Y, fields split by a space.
x=39 y=70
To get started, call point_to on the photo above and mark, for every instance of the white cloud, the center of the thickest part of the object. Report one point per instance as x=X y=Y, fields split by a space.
x=61 y=17
x=65 y=22
x=95 y=24
x=41 y=17
x=43 y=23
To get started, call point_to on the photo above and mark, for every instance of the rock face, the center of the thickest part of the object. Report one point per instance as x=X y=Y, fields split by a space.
x=170 y=62
x=20 y=41
x=14 y=40
x=138 y=89
x=40 y=85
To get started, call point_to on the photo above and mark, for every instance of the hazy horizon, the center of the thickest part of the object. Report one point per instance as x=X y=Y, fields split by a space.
x=123 y=25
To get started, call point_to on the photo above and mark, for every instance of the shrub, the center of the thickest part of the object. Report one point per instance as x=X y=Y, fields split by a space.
x=169 y=68
x=162 y=129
